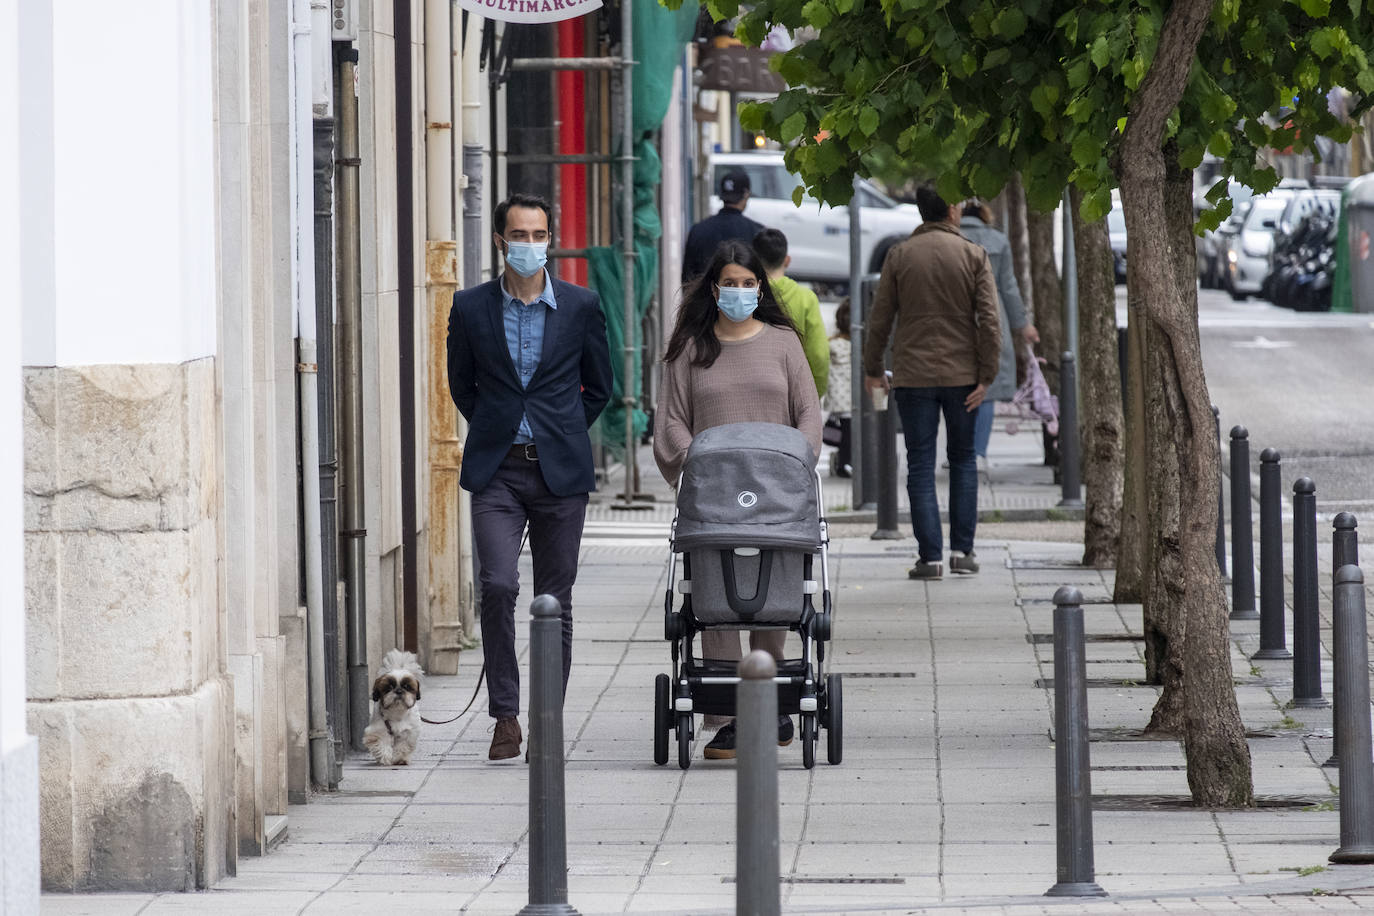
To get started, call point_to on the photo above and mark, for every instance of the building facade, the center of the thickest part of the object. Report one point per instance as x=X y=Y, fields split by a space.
x=234 y=228
x=19 y=868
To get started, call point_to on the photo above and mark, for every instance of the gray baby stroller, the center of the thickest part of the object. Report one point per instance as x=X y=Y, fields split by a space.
x=749 y=530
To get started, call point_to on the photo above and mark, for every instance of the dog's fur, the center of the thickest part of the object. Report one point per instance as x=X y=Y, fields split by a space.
x=395 y=725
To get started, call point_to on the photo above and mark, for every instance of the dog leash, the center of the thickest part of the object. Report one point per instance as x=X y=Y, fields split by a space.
x=483 y=673
x=460 y=715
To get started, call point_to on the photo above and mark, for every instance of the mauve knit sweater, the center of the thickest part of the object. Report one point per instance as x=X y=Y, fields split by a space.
x=762 y=379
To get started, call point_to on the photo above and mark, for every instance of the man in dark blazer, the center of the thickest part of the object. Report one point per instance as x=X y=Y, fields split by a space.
x=729 y=224
x=530 y=370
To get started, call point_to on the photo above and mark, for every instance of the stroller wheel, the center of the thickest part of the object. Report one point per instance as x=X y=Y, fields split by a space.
x=663 y=721
x=808 y=739
x=684 y=740
x=834 y=720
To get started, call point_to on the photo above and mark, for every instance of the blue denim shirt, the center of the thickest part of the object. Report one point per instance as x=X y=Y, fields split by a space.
x=524 y=325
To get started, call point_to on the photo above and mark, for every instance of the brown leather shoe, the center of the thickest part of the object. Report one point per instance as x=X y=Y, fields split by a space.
x=505 y=743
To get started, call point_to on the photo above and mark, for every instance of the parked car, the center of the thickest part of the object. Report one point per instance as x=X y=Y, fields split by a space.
x=1211 y=245
x=817 y=235
x=1116 y=228
x=1247 y=255
x=1222 y=241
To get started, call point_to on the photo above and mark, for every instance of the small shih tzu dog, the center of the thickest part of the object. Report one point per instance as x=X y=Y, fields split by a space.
x=395 y=727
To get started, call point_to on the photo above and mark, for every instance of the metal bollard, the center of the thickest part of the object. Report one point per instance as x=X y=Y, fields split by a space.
x=1072 y=779
x=1307 y=660
x=887 y=475
x=548 y=819
x=756 y=787
x=860 y=433
x=867 y=428
x=1352 y=719
x=1273 y=642
x=1345 y=542
x=1070 y=473
x=1221 y=500
x=1242 y=534
x=1344 y=552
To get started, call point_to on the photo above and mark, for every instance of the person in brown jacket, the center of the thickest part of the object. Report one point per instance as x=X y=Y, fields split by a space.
x=938 y=288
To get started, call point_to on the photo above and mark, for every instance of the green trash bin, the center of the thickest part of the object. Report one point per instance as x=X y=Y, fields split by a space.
x=1353 y=286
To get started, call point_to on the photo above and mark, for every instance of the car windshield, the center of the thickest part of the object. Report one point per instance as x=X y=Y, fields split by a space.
x=1265 y=208
x=1238 y=214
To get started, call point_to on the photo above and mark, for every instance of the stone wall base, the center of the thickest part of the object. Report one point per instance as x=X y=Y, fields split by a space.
x=137 y=794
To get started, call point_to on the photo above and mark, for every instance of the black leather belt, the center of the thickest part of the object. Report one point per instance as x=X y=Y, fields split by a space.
x=525 y=452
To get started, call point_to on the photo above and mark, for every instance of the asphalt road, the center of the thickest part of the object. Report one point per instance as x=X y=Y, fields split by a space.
x=1302 y=383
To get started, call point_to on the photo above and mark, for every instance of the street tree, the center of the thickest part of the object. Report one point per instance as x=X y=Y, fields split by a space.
x=1090 y=94
x=1102 y=424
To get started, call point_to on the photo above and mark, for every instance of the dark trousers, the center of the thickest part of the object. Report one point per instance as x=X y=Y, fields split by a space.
x=921 y=409
x=517 y=495
x=844 y=448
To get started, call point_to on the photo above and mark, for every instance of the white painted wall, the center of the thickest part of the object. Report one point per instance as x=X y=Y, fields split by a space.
x=12 y=688
x=19 y=866
x=35 y=163
x=134 y=182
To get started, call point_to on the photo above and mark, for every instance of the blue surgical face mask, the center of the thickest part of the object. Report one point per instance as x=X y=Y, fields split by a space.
x=527 y=258
x=738 y=302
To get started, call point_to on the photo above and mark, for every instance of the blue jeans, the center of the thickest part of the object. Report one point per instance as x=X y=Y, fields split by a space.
x=983 y=433
x=920 y=409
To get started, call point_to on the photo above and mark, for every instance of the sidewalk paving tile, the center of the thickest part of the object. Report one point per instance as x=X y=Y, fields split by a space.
x=945 y=799
x=94 y=904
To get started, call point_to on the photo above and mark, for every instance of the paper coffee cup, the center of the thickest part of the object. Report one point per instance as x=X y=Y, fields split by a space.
x=879 y=399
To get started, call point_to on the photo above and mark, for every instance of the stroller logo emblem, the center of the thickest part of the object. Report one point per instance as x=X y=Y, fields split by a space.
x=747 y=499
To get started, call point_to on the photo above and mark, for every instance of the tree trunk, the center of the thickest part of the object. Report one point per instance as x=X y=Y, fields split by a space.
x=1131 y=555
x=1019 y=237
x=1101 y=422
x=1161 y=622
x=1164 y=628
x=1047 y=294
x=1214 y=737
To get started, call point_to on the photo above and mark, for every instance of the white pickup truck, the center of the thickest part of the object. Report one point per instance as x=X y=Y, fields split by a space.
x=817 y=235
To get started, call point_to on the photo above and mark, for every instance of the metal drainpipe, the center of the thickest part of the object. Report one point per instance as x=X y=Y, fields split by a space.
x=405 y=274
x=354 y=531
x=472 y=155
x=322 y=107
x=466 y=573
x=472 y=236
x=627 y=215
x=323 y=770
x=329 y=460
x=441 y=282
x=494 y=141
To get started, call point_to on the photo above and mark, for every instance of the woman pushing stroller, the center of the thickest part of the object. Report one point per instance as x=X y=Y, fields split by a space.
x=733 y=357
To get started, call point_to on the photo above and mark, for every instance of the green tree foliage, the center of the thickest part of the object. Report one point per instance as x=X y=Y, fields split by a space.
x=970 y=91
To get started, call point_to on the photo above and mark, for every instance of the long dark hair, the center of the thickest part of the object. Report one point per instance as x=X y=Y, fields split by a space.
x=842 y=318
x=696 y=319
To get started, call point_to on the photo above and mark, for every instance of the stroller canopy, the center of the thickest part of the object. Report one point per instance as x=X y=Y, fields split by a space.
x=748 y=485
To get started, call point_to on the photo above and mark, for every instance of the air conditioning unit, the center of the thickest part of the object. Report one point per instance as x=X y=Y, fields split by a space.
x=343 y=18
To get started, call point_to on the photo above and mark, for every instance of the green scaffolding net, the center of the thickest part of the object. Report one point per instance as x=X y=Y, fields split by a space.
x=659 y=37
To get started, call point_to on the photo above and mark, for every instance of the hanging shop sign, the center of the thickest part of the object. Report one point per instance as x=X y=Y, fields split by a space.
x=530 y=10
x=735 y=68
